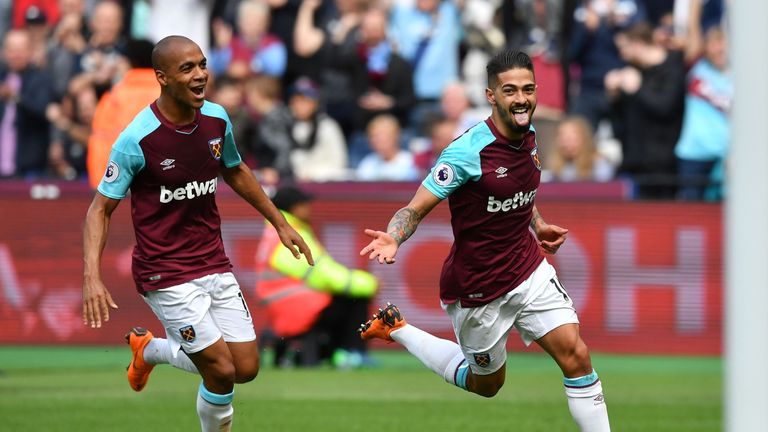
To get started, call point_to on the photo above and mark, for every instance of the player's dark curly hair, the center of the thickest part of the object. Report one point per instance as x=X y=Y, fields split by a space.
x=504 y=61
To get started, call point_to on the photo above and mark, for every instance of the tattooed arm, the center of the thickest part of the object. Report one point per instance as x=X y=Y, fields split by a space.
x=402 y=225
x=536 y=219
x=549 y=237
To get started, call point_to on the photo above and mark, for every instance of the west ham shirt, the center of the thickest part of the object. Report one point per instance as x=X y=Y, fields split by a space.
x=490 y=184
x=172 y=172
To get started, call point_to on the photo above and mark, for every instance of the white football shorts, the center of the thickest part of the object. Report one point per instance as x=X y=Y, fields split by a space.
x=534 y=308
x=198 y=313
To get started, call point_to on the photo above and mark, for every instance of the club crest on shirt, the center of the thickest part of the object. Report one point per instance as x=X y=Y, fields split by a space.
x=482 y=359
x=112 y=172
x=535 y=157
x=214 y=146
x=443 y=174
x=187 y=333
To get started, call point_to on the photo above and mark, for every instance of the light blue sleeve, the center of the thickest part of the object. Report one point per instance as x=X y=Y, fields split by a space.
x=125 y=161
x=457 y=164
x=230 y=157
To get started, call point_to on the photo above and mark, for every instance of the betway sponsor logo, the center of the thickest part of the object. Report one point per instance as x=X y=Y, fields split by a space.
x=193 y=189
x=520 y=199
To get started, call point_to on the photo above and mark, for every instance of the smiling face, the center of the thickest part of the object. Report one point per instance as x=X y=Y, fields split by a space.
x=183 y=74
x=513 y=99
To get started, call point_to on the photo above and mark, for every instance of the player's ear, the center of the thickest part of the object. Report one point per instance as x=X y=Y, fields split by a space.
x=490 y=96
x=160 y=75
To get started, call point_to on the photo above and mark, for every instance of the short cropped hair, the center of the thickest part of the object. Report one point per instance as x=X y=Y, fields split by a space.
x=504 y=61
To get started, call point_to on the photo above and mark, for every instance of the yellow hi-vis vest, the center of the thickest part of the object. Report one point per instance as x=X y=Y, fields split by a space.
x=294 y=292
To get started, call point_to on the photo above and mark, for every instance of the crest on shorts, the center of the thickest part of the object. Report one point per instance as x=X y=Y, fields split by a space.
x=187 y=333
x=535 y=157
x=214 y=146
x=482 y=359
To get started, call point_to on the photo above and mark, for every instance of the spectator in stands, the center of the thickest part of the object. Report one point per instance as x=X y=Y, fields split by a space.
x=650 y=95
x=382 y=80
x=38 y=26
x=319 y=150
x=313 y=307
x=72 y=120
x=330 y=41
x=49 y=7
x=99 y=61
x=230 y=94
x=264 y=98
x=190 y=18
x=67 y=43
x=388 y=162
x=442 y=132
x=705 y=137
x=483 y=27
x=25 y=91
x=691 y=18
x=534 y=26
x=428 y=33
x=593 y=50
x=456 y=106
x=137 y=89
x=252 y=49
x=575 y=157
x=285 y=14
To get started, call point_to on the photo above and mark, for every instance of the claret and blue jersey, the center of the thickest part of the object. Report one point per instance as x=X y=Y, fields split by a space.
x=172 y=172
x=490 y=184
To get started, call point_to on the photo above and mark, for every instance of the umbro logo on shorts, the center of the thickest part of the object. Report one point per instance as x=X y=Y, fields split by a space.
x=187 y=333
x=482 y=359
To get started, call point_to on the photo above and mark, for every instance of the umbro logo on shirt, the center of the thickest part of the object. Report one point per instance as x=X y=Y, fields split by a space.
x=501 y=172
x=168 y=164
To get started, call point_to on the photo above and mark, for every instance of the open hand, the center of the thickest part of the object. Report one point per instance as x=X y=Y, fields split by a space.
x=96 y=303
x=383 y=247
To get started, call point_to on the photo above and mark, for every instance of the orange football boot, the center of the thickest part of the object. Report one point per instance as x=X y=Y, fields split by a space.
x=138 y=369
x=382 y=324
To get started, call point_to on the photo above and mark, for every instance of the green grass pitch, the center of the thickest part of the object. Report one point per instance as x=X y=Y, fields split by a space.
x=84 y=389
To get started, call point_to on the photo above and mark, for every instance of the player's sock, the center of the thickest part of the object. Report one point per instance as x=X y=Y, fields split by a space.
x=214 y=410
x=442 y=356
x=159 y=351
x=586 y=402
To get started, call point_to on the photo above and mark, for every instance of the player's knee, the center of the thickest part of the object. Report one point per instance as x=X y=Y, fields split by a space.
x=489 y=390
x=247 y=374
x=581 y=354
x=222 y=372
x=578 y=360
x=487 y=387
x=247 y=367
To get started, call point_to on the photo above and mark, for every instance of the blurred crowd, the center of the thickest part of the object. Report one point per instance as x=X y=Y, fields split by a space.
x=373 y=90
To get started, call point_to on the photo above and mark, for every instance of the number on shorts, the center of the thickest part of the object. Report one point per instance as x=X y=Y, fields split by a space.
x=559 y=287
x=245 y=306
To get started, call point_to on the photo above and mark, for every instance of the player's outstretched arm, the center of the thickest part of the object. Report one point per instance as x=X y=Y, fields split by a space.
x=96 y=297
x=403 y=224
x=550 y=237
x=241 y=180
